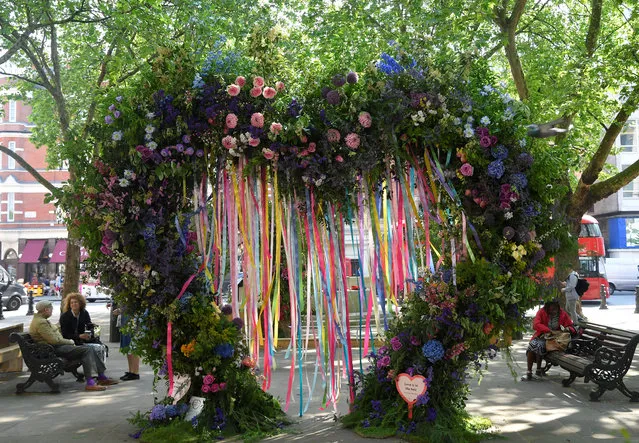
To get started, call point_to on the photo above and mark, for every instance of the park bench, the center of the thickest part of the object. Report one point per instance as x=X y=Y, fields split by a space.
x=10 y=356
x=42 y=362
x=600 y=354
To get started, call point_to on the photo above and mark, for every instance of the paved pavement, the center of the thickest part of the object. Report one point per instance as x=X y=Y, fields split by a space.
x=537 y=411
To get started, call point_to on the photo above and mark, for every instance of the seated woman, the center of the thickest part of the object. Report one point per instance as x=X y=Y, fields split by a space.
x=549 y=318
x=74 y=319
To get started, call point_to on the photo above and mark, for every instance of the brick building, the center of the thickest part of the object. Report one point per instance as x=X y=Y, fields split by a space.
x=32 y=241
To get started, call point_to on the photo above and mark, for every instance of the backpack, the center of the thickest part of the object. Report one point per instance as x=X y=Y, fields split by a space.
x=582 y=286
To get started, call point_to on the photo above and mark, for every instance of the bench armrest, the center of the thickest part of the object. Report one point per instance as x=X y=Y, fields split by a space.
x=582 y=346
x=606 y=358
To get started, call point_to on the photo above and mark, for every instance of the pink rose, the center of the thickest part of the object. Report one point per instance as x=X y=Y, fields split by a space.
x=268 y=154
x=485 y=141
x=257 y=120
x=222 y=386
x=229 y=142
x=333 y=135
x=339 y=159
x=233 y=90
x=276 y=128
x=303 y=138
x=311 y=147
x=258 y=82
x=215 y=387
x=240 y=81
x=231 y=121
x=208 y=379
x=279 y=86
x=269 y=92
x=256 y=92
x=466 y=170
x=254 y=141
x=304 y=153
x=206 y=389
x=352 y=140
x=365 y=119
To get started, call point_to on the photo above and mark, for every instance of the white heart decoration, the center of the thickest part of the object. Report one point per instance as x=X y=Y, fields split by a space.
x=410 y=387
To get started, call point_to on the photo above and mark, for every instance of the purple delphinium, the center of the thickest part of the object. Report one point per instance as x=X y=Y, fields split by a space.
x=158 y=413
x=499 y=152
x=224 y=350
x=431 y=415
x=519 y=180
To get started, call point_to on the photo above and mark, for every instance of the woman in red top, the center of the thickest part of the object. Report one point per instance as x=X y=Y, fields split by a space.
x=549 y=318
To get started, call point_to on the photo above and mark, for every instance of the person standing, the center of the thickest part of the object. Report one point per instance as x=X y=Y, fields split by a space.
x=571 y=295
x=132 y=360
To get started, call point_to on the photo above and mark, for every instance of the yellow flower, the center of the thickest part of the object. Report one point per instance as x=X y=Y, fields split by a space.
x=188 y=349
x=518 y=252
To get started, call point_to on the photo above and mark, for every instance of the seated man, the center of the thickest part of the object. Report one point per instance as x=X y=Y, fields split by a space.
x=42 y=331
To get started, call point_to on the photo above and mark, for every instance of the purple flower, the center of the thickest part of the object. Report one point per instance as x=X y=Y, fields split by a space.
x=496 y=169
x=338 y=80
x=208 y=379
x=414 y=341
x=525 y=159
x=227 y=309
x=179 y=147
x=396 y=343
x=239 y=323
x=383 y=362
x=482 y=131
x=352 y=77
x=431 y=415
x=108 y=119
x=199 y=153
x=186 y=139
x=117 y=113
x=225 y=350
x=189 y=151
x=118 y=98
x=333 y=97
x=112 y=108
x=485 y=141
x=422 y=399
x=156 y=344
x=165 y=152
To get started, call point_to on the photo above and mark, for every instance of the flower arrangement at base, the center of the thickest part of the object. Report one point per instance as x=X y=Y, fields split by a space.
x=441 y=335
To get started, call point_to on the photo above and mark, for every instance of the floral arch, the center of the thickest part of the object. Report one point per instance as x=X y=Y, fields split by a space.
x=431 y=173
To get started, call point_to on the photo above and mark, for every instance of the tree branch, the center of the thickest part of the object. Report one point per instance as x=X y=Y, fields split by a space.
x=594 y=27
x=606 y=188
x=27 y=167
x=597 y=162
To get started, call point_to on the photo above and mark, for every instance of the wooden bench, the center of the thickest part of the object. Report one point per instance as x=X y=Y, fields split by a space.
x=42 y=362
x=10 y=356
x=602 y=355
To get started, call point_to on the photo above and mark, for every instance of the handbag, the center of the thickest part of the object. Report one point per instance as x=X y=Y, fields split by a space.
x=557 y=340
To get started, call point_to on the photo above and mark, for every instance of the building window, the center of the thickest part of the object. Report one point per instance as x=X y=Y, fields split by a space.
x=11 y=162
x=631 y=190
x=628 y=136
x=12 y=111
x=11 y=206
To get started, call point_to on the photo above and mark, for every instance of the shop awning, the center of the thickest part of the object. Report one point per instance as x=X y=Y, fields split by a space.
x=59 y=252
x=31 y=252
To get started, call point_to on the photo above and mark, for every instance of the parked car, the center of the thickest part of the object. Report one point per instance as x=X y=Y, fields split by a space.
x=13 y=294
x=622 y=273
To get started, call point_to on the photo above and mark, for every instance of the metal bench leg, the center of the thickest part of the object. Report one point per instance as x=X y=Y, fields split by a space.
x=633 y=395
x=55 y=388
x=22 y=387
x=568 y=381
x=596 y=393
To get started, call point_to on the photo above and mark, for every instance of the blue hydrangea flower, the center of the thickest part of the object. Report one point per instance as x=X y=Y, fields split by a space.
x=225 y=350
x=499 y=152
x=496 y=169
x=433 y=350
x=158 y=413
x=519 y=180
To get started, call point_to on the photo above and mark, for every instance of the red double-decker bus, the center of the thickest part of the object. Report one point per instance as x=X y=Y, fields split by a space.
x=591 y=258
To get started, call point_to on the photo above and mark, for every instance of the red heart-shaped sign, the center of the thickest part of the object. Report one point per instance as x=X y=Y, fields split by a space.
x=410 y=387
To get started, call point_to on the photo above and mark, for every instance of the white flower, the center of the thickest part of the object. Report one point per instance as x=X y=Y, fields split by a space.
x=148 y=137
x=467 y=107
x=150 y=115
x=522 y=142
x=509 y=113
x=432 y=112
x=506 y=98
x=129 y=174
x=469 y=133
x=116 y=136
x=457 y=121
x=152 y=145
x=149 y=129
x=124 y=182
x=488 y=88
x=441 y=98
x=484 y=121
x=508 y=215
x=470 y=119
